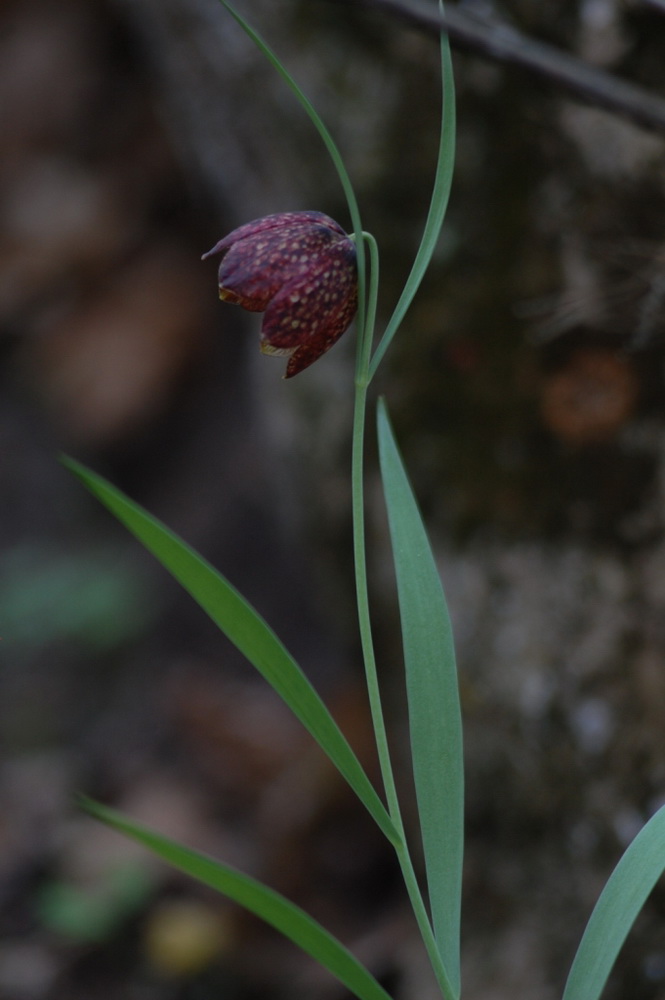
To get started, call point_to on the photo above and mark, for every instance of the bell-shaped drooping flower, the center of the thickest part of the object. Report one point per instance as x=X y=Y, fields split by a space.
x=300 y=269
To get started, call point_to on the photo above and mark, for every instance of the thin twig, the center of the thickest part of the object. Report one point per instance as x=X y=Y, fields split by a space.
x=502 y=43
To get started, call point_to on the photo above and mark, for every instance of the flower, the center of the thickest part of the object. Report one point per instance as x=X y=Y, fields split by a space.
x=300 y=269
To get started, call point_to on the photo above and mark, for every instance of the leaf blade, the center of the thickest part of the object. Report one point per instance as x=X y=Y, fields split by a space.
x=443 y=180
x=619 y=903
x=433 y=700
x=293 y=922
x=246 y=629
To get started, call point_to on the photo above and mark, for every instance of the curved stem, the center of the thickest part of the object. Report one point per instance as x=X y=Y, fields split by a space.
x=367 y=298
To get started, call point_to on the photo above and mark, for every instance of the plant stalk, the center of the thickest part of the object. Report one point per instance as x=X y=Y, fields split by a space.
x=366 y=331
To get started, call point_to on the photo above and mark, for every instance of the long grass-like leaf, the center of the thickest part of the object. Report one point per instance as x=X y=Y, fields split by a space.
x=267 y=904
x=614 y=914
x=438 y=205
x=433 y=699
x=246 y=629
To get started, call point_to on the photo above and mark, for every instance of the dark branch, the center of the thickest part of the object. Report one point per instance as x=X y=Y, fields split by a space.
x=502 y=43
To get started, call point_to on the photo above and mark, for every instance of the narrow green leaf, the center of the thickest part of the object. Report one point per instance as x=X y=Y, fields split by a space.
x=433 y=698
x=438 y=204
x=246 y=630
x=267 y=904
x=616 y=910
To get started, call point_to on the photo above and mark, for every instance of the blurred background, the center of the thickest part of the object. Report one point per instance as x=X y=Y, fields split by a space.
x=527 y=393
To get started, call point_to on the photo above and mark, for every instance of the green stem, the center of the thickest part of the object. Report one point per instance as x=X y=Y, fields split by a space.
x=378 y=721
x=364 y=621
x=367 y=298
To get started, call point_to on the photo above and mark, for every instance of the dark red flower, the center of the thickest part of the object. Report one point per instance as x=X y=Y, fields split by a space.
x=300 y=269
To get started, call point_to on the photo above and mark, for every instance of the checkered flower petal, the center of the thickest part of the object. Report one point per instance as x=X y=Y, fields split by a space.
x=300 y=269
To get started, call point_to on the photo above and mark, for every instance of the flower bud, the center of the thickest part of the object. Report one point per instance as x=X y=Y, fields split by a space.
x=299 y=268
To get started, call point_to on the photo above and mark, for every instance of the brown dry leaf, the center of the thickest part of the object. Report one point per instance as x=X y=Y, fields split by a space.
x=589 y=399
x=239 y=734
x=109 y=367
x=61 y=225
